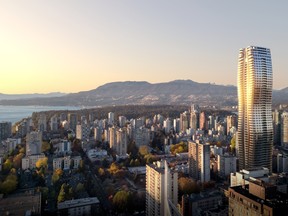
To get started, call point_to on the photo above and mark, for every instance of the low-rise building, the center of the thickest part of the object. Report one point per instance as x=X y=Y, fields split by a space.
x=27 y=202
x=226 y=164
x=29 y=162
x=67 y=163
x=242 y=177
x=196 y=204
x=85 y=206
x=257 y=198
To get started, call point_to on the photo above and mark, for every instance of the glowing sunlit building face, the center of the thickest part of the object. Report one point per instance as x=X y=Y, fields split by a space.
x=255 y=130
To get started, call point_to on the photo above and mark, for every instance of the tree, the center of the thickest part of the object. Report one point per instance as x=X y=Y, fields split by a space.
x=114 y=167
x=7 y=165
x=17 y=160
x=65 y=193
x=42 y=162
x=233 y=144
x=179 y=148
x=101 y=172
x=79 y=188
x=121 y=201
x=46 y=146
x=143 y=150
x=137 y=162
x=56 y=175
x=9 y=185
x=187 y=186
x=61 y=196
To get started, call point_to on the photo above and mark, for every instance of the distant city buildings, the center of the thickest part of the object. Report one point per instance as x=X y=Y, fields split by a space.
x=72 y=119
x=111 y=118
x=83 y=131
x=33 y=143
x=5 y=130
x=42 y=122
x=29 y=162
x=284 y=129
x=66 y=163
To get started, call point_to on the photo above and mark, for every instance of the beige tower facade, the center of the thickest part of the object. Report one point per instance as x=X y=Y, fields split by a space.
x=284 y=129
x=255 y=129
x=161 y=190
x=199 y=160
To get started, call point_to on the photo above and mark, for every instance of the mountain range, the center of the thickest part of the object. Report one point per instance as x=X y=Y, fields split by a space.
x=182 y=92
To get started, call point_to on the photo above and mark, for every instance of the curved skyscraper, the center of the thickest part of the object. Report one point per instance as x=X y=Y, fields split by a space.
x=255 y=129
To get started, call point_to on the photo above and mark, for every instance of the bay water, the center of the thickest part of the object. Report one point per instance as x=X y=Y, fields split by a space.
x=16 y=113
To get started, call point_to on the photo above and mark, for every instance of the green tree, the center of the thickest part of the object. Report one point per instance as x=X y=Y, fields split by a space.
x=7 y=165
x=9 y=184
x=233 y=144
x=17 y=160
x=137 y=162
x=62 y=194
x=65 y=193
x=46 y=146
x=121 y=201
x=79 y=188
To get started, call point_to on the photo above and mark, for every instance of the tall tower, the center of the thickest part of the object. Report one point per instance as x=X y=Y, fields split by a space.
x=255 y=129
x=161 y=189
x=199 y=160
x=284 y=129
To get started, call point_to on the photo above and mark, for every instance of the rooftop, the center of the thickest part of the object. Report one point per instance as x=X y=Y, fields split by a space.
x=78 y=202
x=280 y=200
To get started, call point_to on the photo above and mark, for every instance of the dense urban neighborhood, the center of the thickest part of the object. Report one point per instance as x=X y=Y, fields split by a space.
x=98 y=162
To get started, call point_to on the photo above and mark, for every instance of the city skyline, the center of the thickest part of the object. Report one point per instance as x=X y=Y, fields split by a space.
x=75 y=46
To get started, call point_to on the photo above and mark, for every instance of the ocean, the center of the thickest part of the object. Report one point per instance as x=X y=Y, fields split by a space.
x=16 y=113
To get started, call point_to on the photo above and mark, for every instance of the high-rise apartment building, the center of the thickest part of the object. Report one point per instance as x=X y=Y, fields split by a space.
x=202 y=121
x=284 y=129
x=111 y=118
x=184 y=121
x=276 y=117
x=5 y=130
x=42 y=122
x=121 y=142
x=72 y=119
x=199 y=160
x=161 y=189
x=33 y=143
x=255 y=129
x=54 y=123
x=231 y=122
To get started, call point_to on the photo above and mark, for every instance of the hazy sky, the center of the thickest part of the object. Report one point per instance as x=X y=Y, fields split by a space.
x=71 y=46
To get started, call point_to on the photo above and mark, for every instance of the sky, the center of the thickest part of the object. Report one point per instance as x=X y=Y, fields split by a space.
x=71 y=46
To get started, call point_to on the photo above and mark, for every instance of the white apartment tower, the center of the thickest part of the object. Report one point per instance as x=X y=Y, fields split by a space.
x=161 y=189
x=33 y=143
x=111 y=118
x=284 y=129
x=121 y=142
x=42 y=122
x=199 y=160
x=255 y=129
